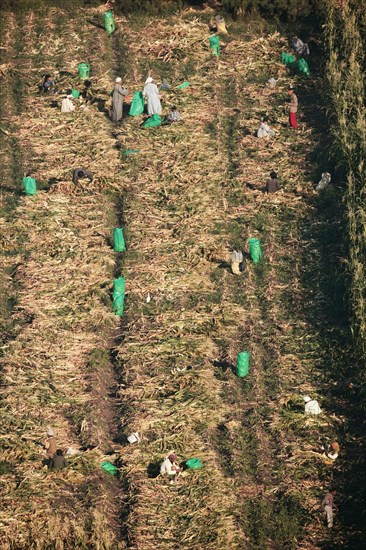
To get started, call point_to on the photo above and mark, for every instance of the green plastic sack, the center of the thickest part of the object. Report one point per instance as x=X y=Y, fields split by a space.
x=302 y=66
x=110 y=468
x=118 y=240
x=84 y=70
x=255 y=250
x=184 y=85
x=152 y=122
x=75 y=94
x=137 y=104
x=109 y=23
x=215 y=45
x=118 y=296
x=287 y=58
x=194 y=464
x=242 y=364
x=30 y=185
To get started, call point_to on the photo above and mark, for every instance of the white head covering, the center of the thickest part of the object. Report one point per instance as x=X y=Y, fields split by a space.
x=50 y=432
x=148 y=80
x=307 y=399
x=118 y=79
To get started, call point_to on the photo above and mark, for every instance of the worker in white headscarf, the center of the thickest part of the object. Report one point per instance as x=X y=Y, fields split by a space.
x=151 y=93
x=67 y=105
x=119 y=94
x=311 y=406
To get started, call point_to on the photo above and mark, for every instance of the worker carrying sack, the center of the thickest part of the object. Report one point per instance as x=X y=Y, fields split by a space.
x=255 y=250
x=118 y=296
x=152 y=122
x=109 y=23
x=215 y=45
x=30 y=185
x=84 y=71
x=137 y=104
x=242 y=364
x=118 y=240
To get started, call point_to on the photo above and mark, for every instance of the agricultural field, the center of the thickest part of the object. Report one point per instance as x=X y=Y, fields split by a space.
x=186 y=195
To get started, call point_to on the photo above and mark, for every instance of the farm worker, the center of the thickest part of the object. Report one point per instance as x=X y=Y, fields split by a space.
x=294 y=102
x=173 y=116
x=220 y=25
x=264 y=130
x=50 y=443
x=327 y=505
x=119 y=94
x=151 y=93
x=298 y=46
x=80 y=174
x=170 y=467
x=272 y=185
x=236 y=260
x=67 y=105
x=87 y=94
x=48 y=83
x=58 y=462
x=333 y=451
x=311 y=406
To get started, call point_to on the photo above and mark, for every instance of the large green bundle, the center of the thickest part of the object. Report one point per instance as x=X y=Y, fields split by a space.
x=215 y=45
x=242 y=364
x=302 y=66
x=137 y=104
x=84 y=70
x=118 y=296
x=110 y=468
x=194 y=464
x=152 y=122
x=30 y=185
x=255 y=250
x=287 y=58
x=109 y=23
x=118 y=240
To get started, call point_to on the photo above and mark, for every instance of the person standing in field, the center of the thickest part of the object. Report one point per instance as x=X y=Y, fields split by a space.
x=119 y=94
x=151 y=93
x=327 y=505
x=294 y=102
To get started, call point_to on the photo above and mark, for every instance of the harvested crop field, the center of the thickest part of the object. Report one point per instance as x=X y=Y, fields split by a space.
x=187 y=196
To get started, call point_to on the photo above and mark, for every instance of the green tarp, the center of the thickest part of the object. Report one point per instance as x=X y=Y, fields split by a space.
x=84 y=70
x=109 y=23
x=242 y=364
x=118 y=240
x=184 y=85
x=194 y=464
x=110 y=468
x=75 y=94
x=255 y=250
x=215 y=45
x=137 y=104
x=152 y=122
x=118 y=296
x=130 y=152
x=30 y=185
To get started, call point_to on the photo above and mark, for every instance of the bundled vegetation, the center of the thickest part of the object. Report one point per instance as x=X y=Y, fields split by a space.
x=347 y=93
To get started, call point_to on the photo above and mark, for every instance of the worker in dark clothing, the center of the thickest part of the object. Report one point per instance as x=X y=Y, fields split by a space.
x=80 y=174
x=58 y=462
x=272 y=185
